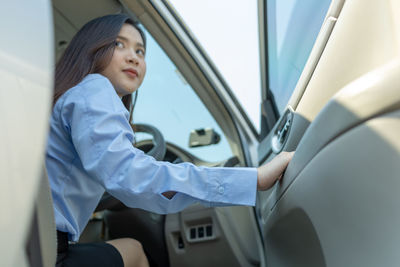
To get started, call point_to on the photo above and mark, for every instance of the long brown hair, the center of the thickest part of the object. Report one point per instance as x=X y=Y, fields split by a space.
x=90 y=51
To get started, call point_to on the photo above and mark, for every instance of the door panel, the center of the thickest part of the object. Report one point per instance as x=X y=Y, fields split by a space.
x=352 y=106
x=336 y=203
x=341 y=210
x=364 y=37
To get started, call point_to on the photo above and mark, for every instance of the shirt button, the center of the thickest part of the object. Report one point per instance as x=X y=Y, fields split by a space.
x=221 y=190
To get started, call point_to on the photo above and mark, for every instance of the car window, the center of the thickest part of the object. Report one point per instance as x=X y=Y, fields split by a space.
x=229 y=36
x=293 y=26
x=166 y=101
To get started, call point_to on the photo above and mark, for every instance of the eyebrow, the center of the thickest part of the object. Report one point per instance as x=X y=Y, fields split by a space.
x=127 y=40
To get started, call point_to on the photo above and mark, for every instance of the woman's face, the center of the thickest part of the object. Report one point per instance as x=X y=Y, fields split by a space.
x=127 y=66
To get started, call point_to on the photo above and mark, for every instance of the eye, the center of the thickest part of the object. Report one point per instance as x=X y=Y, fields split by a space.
x=140 y=52
x=119 y=44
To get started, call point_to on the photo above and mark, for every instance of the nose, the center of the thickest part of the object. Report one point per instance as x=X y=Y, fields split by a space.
x=132 y=57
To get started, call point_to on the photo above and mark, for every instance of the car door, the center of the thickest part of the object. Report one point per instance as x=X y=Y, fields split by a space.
x=201 y=236
x=334 y=205
x=26 y=78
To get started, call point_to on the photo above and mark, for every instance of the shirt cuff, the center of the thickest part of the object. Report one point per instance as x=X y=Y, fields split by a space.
x=233 y=186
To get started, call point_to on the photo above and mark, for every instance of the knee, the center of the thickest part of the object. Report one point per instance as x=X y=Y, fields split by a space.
x=136 y=249
x=134 y=244
x=131 y=251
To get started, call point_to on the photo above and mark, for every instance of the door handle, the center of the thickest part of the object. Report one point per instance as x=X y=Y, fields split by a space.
x=282 y=131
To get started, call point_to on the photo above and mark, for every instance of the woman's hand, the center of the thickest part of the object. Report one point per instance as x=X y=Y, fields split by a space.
x=269 y=173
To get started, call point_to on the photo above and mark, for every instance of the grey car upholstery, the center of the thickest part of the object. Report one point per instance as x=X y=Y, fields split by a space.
x=338 y=202
x=371 y=95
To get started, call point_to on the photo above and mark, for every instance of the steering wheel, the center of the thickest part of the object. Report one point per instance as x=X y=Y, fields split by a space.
x=157 y=151
x=159 y=147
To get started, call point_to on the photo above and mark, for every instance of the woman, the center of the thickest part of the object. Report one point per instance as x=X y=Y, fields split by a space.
x=90 y=148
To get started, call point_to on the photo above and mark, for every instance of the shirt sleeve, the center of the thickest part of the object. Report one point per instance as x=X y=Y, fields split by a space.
x=102 y=137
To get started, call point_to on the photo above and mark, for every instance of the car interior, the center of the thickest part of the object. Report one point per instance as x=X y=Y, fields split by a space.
x=337 y=202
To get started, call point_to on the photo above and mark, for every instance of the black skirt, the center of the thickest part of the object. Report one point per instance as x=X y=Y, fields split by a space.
x=89 y=254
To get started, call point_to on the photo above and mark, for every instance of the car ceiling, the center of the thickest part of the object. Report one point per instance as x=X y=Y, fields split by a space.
x=69 y=16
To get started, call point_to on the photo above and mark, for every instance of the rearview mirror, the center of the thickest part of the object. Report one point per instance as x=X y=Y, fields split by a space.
x=203 y=137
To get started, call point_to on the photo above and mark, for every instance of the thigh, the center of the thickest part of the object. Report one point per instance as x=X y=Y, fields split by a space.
x=92 y=254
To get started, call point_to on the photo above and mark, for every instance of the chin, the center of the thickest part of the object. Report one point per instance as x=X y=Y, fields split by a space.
x=123 y=90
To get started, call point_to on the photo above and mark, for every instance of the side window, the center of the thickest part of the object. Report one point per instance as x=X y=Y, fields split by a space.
x=167 y=102
x=293 y=26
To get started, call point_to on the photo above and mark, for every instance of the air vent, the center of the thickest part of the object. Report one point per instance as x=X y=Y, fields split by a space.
x=200 y=233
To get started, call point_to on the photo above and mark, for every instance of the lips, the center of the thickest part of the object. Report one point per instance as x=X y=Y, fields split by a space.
x=131 y=72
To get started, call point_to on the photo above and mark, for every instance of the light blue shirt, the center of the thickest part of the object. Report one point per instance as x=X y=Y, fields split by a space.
x=90 y=151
